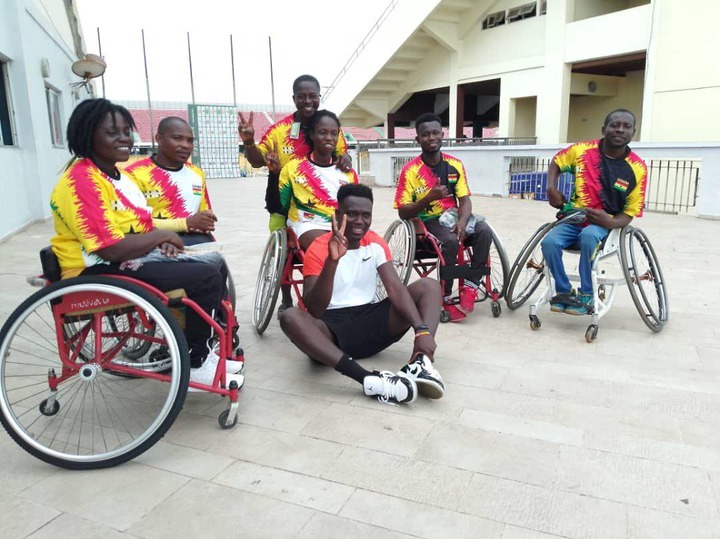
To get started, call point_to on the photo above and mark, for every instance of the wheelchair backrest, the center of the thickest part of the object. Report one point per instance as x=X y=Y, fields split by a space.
x=50 y=264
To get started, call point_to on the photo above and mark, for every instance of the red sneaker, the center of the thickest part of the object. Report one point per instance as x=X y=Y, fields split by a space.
x=468 y=295
x=454 y=313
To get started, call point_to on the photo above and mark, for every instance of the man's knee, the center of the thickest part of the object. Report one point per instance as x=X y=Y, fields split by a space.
x=425 y=287
x=590 y=238
x=550 y=244
x=291 y=321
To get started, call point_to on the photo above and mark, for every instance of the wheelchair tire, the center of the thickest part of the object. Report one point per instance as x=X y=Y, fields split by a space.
x=640 y=265
x=526 y=273
x=93 y=419
x=400 y=237
x=232 y=293
x=499 y=265
x=268 y=281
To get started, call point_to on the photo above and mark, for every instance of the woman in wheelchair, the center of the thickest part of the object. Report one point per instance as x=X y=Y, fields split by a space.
x=610 y=182
x=104 y=227
x=434 y=188
x=309 y=185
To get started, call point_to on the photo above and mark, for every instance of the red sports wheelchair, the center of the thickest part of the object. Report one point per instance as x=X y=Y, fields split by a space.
x=413 y=248
x=94 y=370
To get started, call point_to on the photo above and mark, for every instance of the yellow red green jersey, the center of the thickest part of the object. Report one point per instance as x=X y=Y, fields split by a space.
x=92 y=211
x=171 y=193
x=604 y=183
x=417 y=179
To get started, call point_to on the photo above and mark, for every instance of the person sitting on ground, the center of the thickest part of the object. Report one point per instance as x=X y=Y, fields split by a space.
x=609 y=187
x=104 y=227
x=345 y=322
x=284 y=141
x=309 y=186
x=434 y=188
x=175 y=189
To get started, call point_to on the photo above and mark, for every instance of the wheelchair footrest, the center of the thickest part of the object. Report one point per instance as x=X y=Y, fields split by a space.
x=448 y=273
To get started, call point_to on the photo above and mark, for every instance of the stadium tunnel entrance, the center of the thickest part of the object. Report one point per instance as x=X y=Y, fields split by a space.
x=478 y=108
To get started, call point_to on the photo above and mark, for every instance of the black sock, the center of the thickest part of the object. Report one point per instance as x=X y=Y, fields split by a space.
x=351 y=368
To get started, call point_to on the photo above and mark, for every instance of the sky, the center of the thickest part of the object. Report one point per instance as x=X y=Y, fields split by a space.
x=311 y=36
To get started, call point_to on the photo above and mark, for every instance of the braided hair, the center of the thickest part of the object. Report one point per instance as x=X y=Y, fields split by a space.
x=85 y=119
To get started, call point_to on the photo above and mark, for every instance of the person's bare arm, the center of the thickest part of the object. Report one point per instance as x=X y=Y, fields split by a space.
x=605 y=220
x=555 y=196
x=136 y=245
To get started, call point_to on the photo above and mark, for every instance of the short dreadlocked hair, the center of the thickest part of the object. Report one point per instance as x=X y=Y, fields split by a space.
x=85 y=119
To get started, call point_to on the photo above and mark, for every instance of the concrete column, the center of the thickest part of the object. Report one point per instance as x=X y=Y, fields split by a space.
x=554 y=95
x=453 y=112
x=390 y=125
x=460 y=111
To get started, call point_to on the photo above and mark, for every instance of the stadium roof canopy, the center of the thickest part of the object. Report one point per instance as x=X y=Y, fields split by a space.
x=397 y=54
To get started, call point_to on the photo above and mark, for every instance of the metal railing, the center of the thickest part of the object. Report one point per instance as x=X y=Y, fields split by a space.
x=356 y=53
x=672 y=183
x=397 y=165
x=447 y=142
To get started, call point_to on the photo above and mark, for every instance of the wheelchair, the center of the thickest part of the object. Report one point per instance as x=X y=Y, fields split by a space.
x=81 y=384
x=413 y=248
x=282 y=264
x=629 y=246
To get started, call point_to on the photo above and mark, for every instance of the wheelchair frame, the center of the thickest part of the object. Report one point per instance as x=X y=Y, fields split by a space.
x=282 y=264
x=618 y=243
x=90 y=355
x=412 y=232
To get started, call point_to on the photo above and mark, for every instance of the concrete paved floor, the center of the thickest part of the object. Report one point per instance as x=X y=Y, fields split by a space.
x=539 y=435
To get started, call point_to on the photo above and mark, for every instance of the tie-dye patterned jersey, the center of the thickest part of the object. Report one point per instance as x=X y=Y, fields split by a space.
x=291 y=145
x=417 y=179
x=624 y=185
x=172 y=194
x=309 y=191
x=92 y=211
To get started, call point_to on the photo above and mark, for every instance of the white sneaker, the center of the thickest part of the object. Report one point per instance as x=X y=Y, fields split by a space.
x=390 y=388
x=429 y=382
x=205 y=373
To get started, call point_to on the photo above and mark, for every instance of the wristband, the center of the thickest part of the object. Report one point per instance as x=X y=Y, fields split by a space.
x=421 y=327
x=422 y=333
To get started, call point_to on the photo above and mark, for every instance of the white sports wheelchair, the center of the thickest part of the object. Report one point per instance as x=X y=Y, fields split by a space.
x=640 y=268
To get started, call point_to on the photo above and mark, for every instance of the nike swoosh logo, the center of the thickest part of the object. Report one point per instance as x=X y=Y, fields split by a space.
x=366 y=259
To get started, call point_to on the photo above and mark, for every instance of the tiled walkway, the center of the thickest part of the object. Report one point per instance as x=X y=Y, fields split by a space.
x=539 y=435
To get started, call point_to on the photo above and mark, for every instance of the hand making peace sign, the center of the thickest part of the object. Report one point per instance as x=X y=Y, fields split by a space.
x=337 y=247
x=246 y=129
x=272 y=161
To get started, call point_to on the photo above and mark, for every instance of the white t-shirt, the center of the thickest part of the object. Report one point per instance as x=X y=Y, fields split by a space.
x=356 y=274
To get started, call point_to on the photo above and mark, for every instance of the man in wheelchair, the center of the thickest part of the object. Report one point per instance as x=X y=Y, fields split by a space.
x=174 y=188
x=434 y=187
x=344 y=321
x=609 y=186
x=104 y=227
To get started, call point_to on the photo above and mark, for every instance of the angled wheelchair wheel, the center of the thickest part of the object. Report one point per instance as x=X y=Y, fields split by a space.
x=499 y=266
x=400 y=237
x=231 y=290
x=644 y=278
x=526 y=273
x=68 y=408
x=268 y=281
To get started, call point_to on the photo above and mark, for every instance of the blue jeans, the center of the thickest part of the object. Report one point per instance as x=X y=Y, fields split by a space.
x=565 y=236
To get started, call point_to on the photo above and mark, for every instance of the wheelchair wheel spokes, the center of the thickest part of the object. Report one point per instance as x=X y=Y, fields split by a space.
x=70 y=409
x=268 y=281
x=400 y=237
x=527 y=271
x=644 y=278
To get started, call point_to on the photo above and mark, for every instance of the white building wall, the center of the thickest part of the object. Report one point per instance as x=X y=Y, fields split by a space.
x=30 y=167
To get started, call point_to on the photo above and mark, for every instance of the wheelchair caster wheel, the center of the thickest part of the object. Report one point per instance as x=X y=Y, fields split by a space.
x=496 y=309
x=601 y=292
x=54 y=409
x=236 y=341
x=534 y=322
x=444 y=316
x=222 y=420
x=591 y=333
